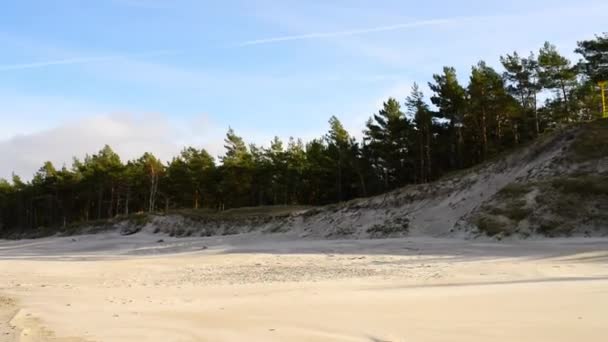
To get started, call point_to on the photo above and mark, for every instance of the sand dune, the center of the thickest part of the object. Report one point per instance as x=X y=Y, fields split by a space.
x=258 y=288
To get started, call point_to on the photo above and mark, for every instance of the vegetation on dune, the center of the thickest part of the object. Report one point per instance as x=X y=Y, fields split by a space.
x=237 y=214
x=391 y=227
x=582 y=185
x=417 y=143
x=492 y=226
x=514 y=190
x=591 y=143
x=554 y=207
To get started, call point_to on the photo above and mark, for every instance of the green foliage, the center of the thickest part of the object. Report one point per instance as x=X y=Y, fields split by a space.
x=450 y=98
x=557 y=74
x=423 y=122
x=595 y=57
x=389 y=139
x=522 y=76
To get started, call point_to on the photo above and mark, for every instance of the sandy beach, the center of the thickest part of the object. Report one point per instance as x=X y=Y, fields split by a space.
x=261 y=288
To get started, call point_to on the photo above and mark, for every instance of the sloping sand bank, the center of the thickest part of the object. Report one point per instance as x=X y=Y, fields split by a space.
x=247 y=288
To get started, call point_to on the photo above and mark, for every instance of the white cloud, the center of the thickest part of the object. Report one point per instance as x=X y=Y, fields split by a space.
x=129 y=135
x=30 y=113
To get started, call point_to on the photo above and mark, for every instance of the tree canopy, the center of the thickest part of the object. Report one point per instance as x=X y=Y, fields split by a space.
x=409 y=140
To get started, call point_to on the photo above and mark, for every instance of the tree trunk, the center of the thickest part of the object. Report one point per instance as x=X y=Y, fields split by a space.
x=453 y=146
x=484 y=134
x=566 y=102
x=196 y=195
x=87 y=209
x=362 y=182
x=153 y=189
x=460 y=147
x=111 y=206
x=152 y=195
x=429 y=170
x=421 y=152
x=99 y=202
x=536 y=120
x=127 y=198
x=117 y=208
x=499 y=131
x=339 y=175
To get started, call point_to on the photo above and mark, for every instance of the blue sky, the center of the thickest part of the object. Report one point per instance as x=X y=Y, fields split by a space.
x=153 y=75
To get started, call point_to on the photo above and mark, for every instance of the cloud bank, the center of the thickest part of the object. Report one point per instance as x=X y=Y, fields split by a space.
x=130 y=136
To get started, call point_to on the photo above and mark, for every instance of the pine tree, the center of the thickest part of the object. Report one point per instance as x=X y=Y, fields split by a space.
x=423 y=121
x=450 y=99
x=296 y=164
x=389 y=139
x=595 y=57
x=339 y=148
x=557 y=73
x=153 y=170
x=487 y=112
x=237 y=175
x=522 y=77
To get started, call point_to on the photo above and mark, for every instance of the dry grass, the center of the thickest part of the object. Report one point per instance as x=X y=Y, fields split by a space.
x=591 y=142
x=492 y=226
x=560 y=205
x=515 y=190
x=237 y=213
x=589 y=185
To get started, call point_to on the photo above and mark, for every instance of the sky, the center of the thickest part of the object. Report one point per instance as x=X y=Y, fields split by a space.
x=157 y=75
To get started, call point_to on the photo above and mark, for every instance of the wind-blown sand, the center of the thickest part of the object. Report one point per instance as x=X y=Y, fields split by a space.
x=277 y=288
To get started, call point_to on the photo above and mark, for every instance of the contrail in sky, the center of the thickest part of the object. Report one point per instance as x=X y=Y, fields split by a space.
x=83 y=60
x=354 y=32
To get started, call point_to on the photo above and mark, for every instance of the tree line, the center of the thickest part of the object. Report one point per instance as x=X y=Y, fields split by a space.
x=412 y=142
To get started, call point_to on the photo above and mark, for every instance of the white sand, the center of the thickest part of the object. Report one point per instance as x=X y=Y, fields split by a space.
x=275 y=288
